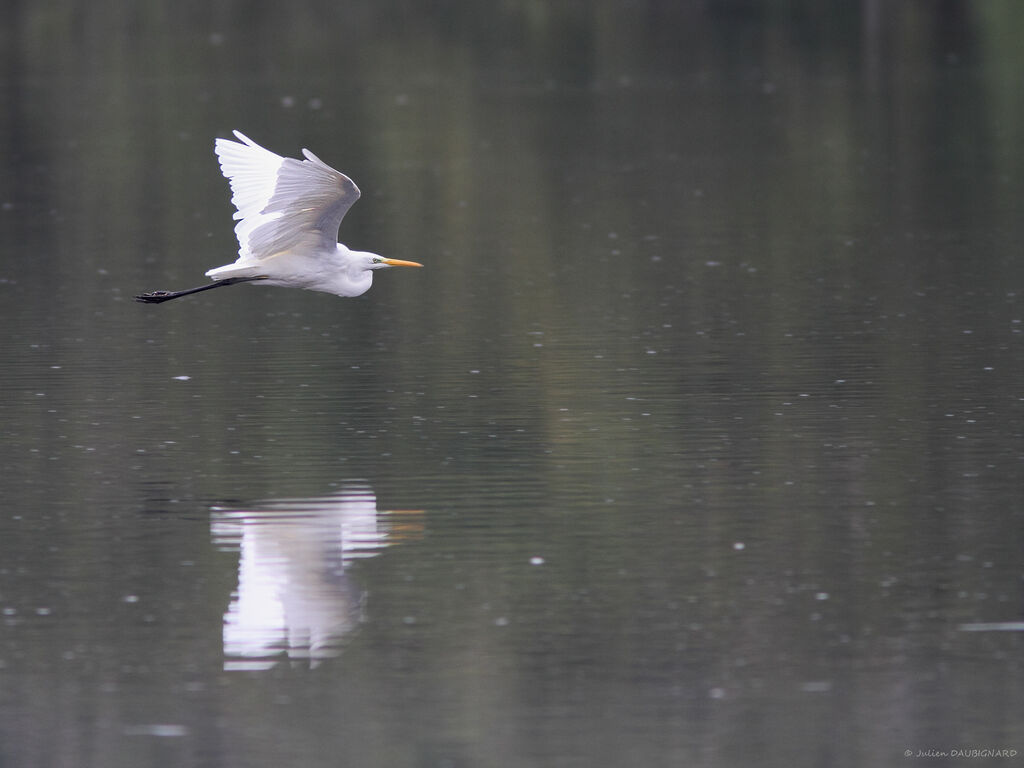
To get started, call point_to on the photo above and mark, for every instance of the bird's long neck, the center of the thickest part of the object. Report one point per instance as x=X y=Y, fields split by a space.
x=350 y=282
x=351 y=278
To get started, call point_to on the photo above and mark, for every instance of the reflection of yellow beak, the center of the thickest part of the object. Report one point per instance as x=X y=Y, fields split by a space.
x=405 y=524
x=400 y=263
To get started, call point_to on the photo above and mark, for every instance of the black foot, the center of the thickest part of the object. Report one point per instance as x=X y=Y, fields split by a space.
x=155 y=297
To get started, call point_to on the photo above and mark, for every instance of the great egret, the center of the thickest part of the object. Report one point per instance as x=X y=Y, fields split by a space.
x=289 y=212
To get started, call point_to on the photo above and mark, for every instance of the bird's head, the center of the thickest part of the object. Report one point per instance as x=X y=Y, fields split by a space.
x=373 y=261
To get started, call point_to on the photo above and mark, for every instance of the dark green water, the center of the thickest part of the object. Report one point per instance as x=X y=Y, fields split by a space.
x=699 y=441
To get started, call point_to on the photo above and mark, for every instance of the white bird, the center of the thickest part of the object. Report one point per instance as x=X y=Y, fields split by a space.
x=289 y=212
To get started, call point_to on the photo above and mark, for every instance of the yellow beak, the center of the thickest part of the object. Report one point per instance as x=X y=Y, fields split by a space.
x=400 y=263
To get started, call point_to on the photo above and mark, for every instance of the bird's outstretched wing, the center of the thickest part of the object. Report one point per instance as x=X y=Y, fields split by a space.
x=283 y=202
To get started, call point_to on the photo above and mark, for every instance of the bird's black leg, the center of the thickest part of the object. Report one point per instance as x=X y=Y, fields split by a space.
x=155 y=297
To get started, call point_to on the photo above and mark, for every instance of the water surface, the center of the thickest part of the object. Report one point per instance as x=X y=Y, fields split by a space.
x=697 y=442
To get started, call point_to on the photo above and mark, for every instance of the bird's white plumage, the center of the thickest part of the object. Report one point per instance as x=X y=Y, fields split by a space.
x=282 y=202
x=289 y=212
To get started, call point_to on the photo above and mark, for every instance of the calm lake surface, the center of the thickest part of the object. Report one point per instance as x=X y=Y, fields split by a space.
x=698 y=441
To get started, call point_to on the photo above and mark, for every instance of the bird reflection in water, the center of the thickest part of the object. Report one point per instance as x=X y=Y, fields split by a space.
x=295 y=597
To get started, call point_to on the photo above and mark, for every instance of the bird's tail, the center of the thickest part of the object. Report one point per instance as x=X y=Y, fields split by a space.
x=237 y=269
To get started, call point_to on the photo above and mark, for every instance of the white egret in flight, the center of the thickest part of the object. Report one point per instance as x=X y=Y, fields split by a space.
x=289 y=212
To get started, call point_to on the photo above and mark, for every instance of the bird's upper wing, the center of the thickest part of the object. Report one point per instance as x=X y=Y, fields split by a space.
x=283 y=202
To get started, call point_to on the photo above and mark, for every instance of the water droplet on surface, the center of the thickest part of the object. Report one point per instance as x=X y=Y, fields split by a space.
x=163 y=730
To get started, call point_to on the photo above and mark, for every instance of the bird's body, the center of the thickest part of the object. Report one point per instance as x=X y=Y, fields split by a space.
x=288 y=212
x=322 y=271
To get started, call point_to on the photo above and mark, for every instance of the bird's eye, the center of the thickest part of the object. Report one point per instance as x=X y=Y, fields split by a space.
x=377 y=260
